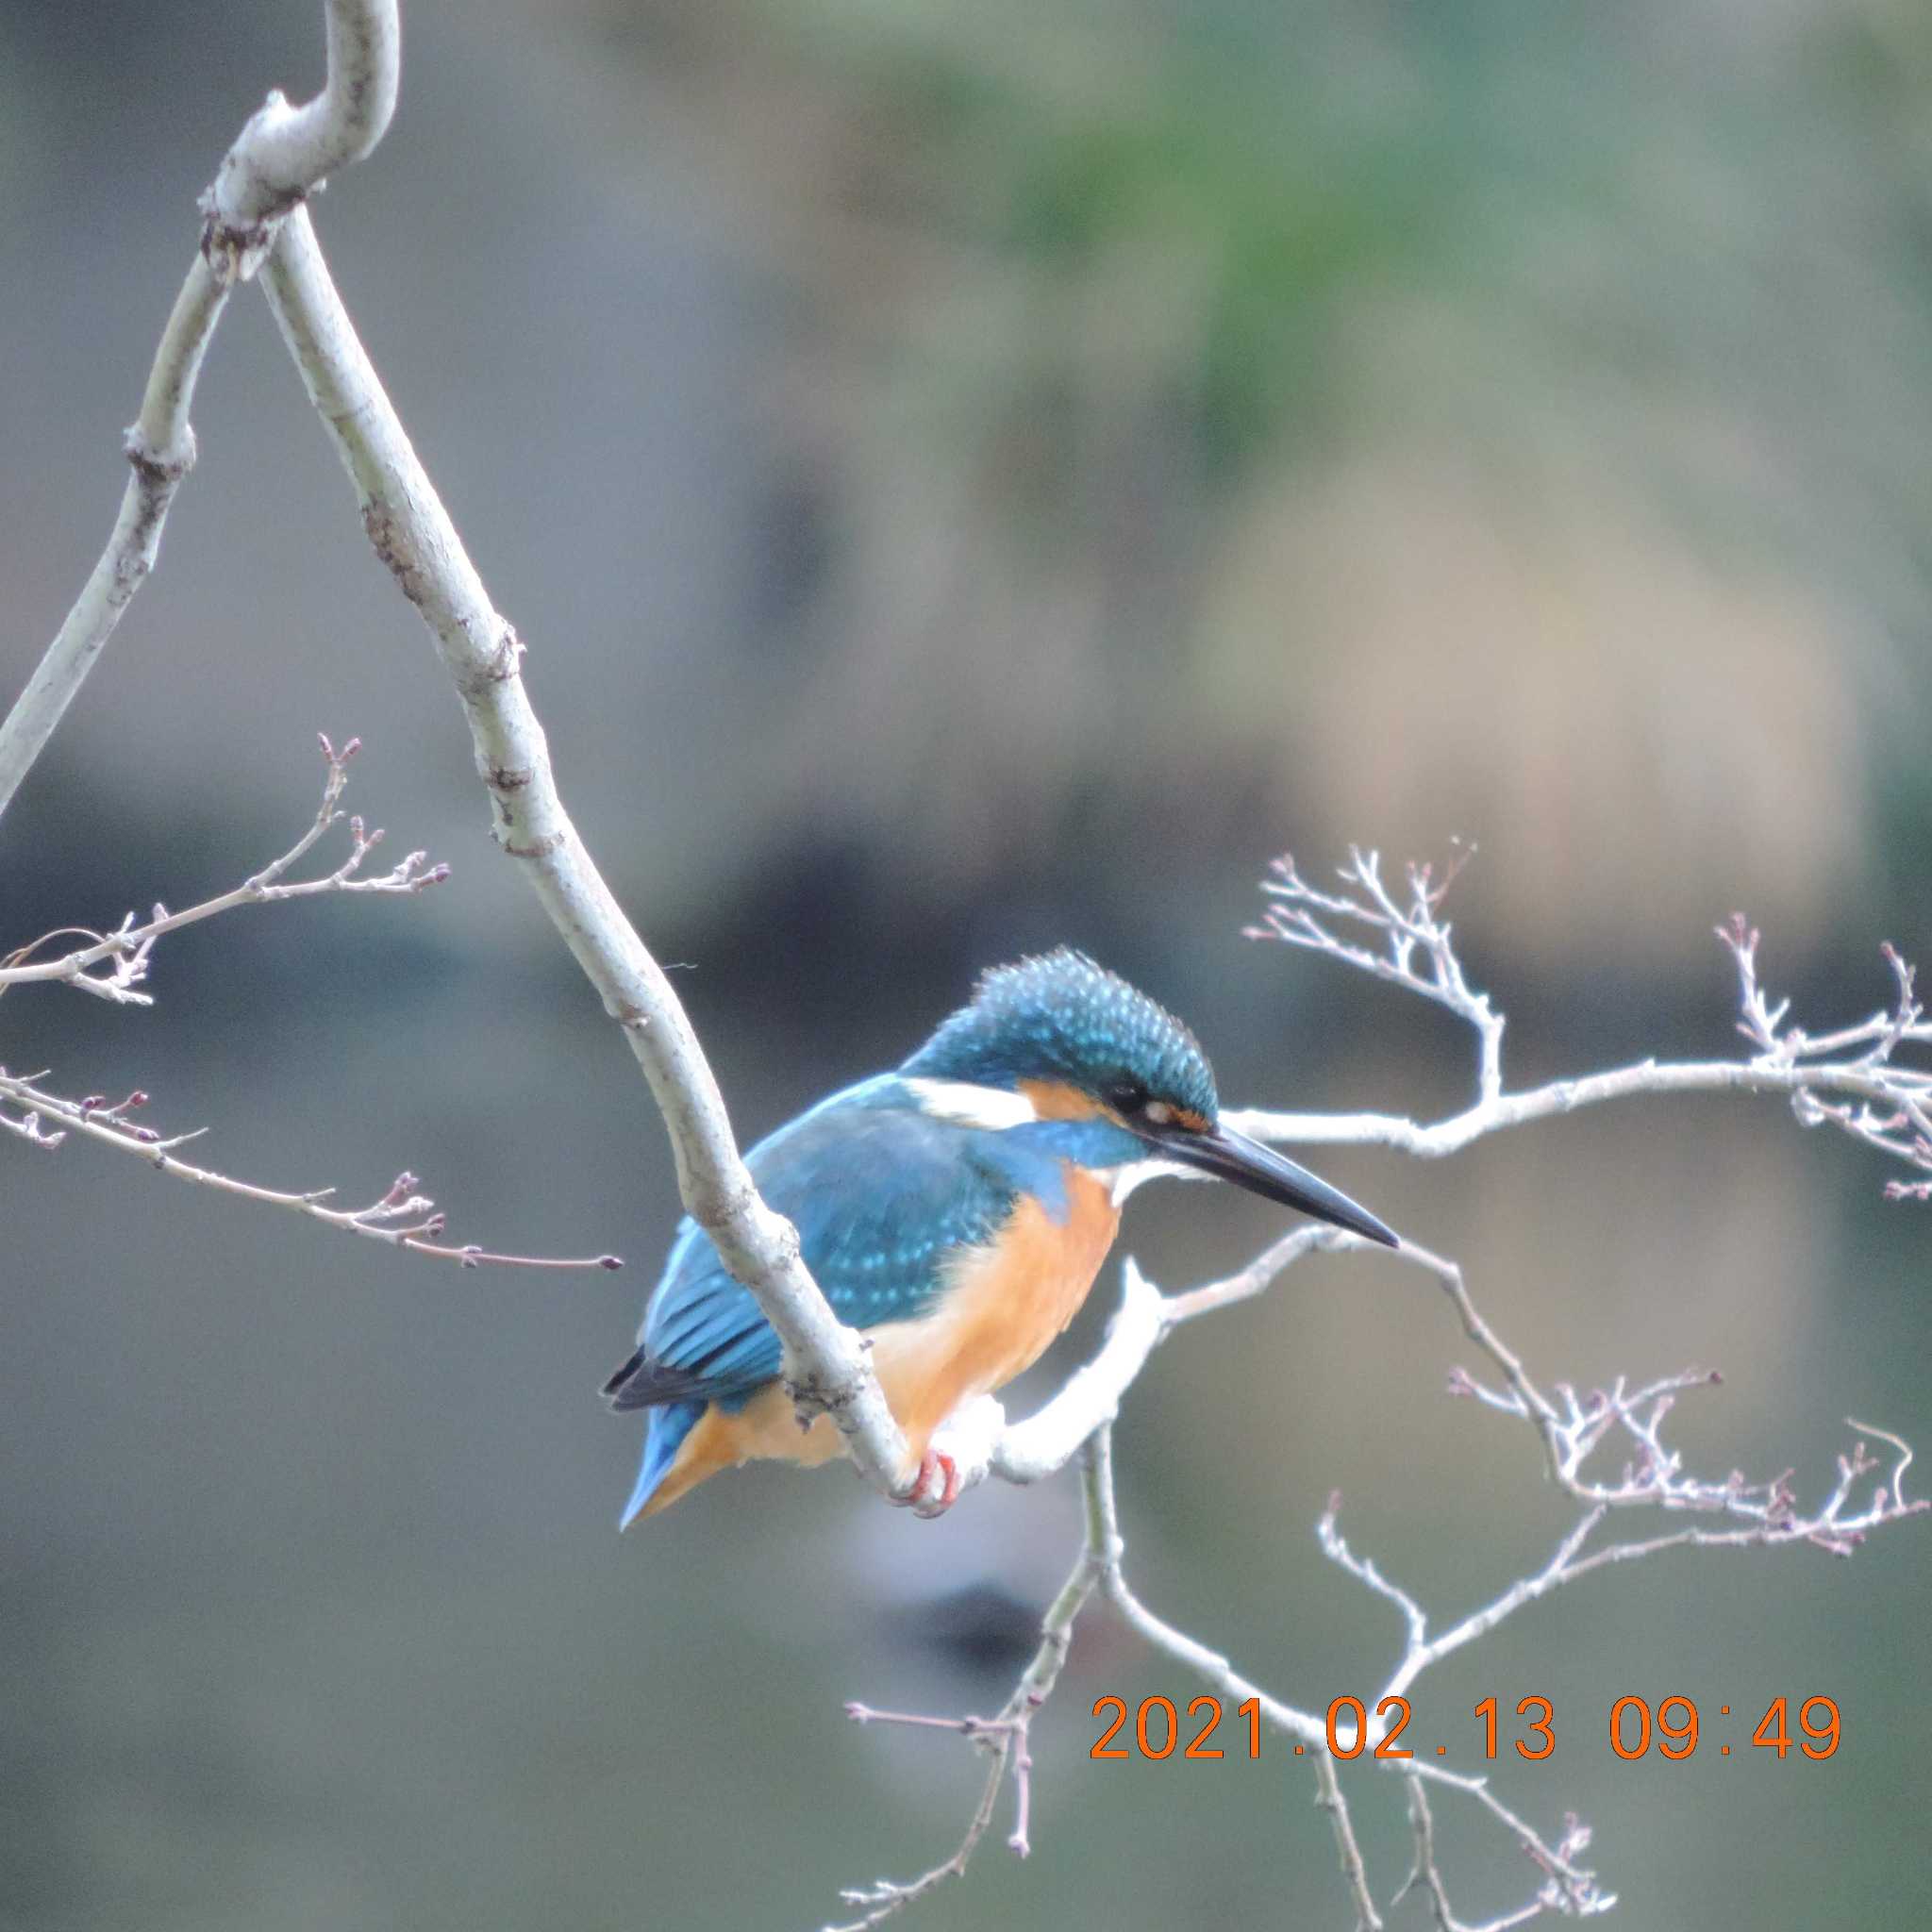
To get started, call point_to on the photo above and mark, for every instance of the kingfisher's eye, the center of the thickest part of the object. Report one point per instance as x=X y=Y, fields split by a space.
x=1126 y=1097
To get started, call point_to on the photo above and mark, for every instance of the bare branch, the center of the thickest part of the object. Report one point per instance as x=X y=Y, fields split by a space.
x=1028 y=1451
x=1353 y=1872
x=983 y=1444
x=1336 y=1549
x=1425 y=1873
x=1571 y=1431
x=401 y=1217
x=1848 y=1078
x=1567 y=1887
x=887 y=1897
x=1414 y=950
x=124 y=950
x=285 y=152
x=278 y=157
x=825 y=1366
x=1006 y=1737
x=1575 y=1885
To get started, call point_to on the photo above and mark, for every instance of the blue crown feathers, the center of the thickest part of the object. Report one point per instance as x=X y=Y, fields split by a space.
x=1060 y=1016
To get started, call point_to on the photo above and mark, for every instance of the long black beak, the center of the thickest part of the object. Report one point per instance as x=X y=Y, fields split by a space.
x=1233 y=1156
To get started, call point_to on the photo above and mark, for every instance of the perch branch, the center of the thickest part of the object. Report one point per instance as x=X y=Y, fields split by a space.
x=826 y=1365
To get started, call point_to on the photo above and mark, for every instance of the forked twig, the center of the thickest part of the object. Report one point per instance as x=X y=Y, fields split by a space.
x=401 y=1217
x=124 y=950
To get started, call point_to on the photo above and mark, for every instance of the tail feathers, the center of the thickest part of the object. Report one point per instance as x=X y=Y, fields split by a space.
x=642 y=1383
x=669 y=1427
x=620 y=1386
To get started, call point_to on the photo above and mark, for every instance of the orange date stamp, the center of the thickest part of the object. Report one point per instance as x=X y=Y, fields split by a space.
x=1636 y=1727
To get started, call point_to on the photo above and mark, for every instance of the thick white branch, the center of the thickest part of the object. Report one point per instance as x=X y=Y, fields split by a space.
x=983 y=1443
x=826 y=1362
x=1881 y=1086
x=286 y=152
x=281 y=153
x=1047 y=1440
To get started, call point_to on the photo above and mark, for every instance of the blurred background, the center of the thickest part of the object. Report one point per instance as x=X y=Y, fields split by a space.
x=970 y=476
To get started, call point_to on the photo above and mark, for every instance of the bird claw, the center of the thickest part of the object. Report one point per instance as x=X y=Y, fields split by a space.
x=935 y=1468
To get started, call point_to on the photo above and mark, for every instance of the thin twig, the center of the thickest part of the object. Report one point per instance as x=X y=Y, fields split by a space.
x=1006 y=1737
x=423 y=1223
x=1300 y=915
x=1354 y=1874
x=126 y=948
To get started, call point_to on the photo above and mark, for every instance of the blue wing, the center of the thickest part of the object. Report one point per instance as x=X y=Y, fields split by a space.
x=880 y=1195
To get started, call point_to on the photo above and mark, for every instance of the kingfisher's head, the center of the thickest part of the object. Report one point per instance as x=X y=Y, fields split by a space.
x=1060 y=1038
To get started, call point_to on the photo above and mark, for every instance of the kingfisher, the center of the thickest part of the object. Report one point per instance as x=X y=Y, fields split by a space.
x=954 y=1212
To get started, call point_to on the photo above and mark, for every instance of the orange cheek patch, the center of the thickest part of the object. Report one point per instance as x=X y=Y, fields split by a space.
x=1054 y=1100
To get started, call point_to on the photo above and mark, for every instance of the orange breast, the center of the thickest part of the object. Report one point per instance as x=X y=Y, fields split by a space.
x=1003 y=1306
x=1002 y=1309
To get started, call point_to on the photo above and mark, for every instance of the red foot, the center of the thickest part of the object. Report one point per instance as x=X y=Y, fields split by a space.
x=935 y=1466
